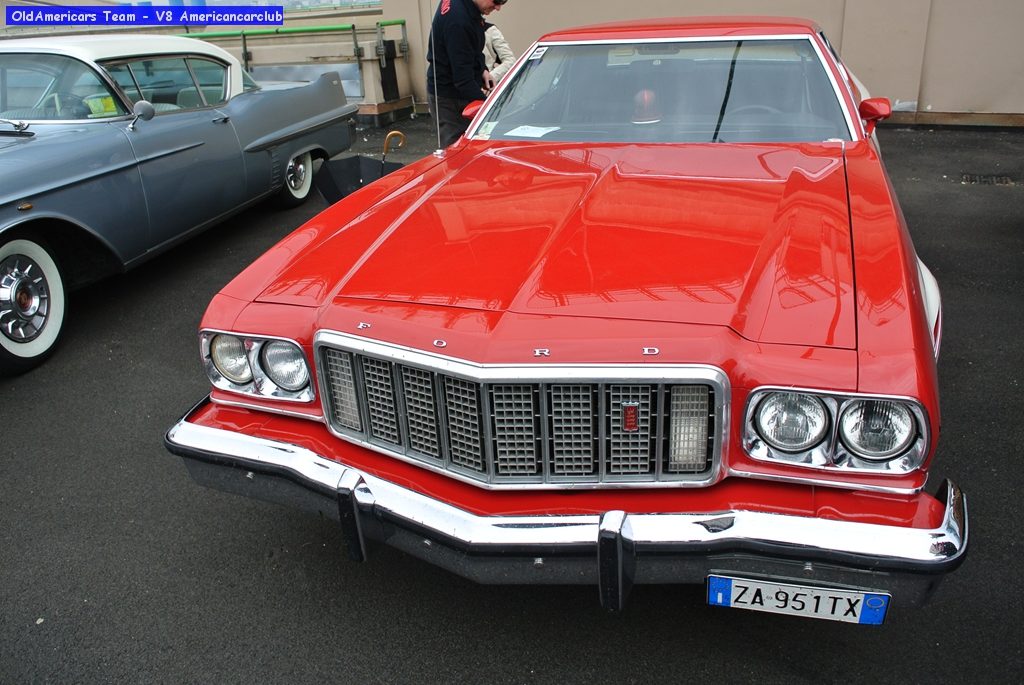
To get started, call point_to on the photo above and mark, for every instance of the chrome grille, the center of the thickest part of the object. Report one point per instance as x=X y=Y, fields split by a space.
x=573 y=440
x=515 y=430
x=341 y=381
x=421 y=411
x=499 y=430
x=380 y=398
x=464 y=439
x=630 y=452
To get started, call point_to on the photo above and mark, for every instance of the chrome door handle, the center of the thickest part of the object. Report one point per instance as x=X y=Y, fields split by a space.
x=222 y=120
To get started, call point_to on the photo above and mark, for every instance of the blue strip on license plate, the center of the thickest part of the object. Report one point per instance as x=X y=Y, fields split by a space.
x=833 y=604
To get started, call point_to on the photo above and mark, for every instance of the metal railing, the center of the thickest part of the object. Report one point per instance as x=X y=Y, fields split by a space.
x=245 y=34
x=403 y=46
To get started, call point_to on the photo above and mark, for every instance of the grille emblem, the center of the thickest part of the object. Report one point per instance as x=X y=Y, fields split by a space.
x=631 y=417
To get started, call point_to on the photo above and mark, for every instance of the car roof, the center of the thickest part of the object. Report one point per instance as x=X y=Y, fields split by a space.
x=676 y=27
x=101 y=47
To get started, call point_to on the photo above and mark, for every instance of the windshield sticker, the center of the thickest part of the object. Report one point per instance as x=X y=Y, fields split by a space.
x=538 y=53
x=485 y=129
x=532 y=131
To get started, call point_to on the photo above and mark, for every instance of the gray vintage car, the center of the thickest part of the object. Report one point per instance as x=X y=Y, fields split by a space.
x=114 y=148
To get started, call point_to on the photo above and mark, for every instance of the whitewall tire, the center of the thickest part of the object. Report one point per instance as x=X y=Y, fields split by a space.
x=32 y=305
x=298 y=180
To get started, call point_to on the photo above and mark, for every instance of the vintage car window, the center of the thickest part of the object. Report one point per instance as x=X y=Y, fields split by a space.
x=53 y=87
x=212 y=77
x=733 y=91
x=166 y=82
x=122 y=75
x=248 y=82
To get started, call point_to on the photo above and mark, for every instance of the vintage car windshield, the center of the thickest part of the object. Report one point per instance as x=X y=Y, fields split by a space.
x=664 y=92
x=41 y=87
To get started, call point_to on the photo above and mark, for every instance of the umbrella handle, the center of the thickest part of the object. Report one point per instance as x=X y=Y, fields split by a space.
x=392 y=136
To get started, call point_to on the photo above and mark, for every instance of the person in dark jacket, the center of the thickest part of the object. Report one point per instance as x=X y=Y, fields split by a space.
x=457 y=75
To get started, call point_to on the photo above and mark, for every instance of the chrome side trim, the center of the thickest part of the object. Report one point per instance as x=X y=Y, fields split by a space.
x=270 y=410
x=866 y=547
x=822 y=482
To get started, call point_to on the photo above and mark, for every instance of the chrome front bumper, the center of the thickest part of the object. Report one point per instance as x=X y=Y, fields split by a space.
x=613 y=550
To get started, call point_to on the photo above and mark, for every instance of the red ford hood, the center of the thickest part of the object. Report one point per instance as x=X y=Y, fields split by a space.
x=751 y=237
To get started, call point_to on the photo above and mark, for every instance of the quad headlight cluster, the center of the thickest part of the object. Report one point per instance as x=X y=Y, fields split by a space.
x=835 y=431
x=264 y=367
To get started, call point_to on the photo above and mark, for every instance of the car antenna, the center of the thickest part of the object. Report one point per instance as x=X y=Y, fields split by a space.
x=433 y=70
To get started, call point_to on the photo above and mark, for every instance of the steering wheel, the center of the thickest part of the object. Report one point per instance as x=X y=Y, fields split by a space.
x=54 y=98
x=70 y=101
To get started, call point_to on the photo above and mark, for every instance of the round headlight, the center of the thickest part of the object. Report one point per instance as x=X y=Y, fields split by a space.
x=228 y=355
x=284 y=365
x=877 y=429
x=791 y=422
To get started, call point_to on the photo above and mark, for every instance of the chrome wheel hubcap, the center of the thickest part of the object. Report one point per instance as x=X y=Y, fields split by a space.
x=296 y=173
x=24 y=298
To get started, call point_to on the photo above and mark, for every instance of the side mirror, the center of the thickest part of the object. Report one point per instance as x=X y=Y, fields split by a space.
x=874 y=110
x=142 y=110
x=472 y=108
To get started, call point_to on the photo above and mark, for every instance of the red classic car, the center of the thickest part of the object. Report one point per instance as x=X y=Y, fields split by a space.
x=656 y=318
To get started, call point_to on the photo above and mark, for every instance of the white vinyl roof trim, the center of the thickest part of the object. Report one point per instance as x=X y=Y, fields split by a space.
x=96 y=48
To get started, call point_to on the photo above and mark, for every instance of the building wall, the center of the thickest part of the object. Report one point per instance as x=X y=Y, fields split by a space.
x=937 y=60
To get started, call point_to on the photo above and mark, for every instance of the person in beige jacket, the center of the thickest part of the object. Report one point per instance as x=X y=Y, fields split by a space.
x=498 y=56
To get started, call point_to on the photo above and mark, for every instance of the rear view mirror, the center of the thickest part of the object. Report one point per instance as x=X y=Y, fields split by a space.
x=472 y=108
x=874 y=110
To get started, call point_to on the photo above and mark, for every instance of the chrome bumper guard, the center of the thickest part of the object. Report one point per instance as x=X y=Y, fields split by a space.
x=613 y=550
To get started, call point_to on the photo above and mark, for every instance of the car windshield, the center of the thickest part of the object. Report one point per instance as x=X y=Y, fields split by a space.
x=40 y=87
x=733 y=91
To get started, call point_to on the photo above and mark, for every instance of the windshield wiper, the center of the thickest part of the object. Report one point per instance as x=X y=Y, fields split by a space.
x=728 y=90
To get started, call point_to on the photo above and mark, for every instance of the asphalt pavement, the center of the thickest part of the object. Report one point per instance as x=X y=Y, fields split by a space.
x=115 y=567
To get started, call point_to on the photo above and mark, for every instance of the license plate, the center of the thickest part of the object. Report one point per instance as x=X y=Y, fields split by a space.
x=798 y=600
